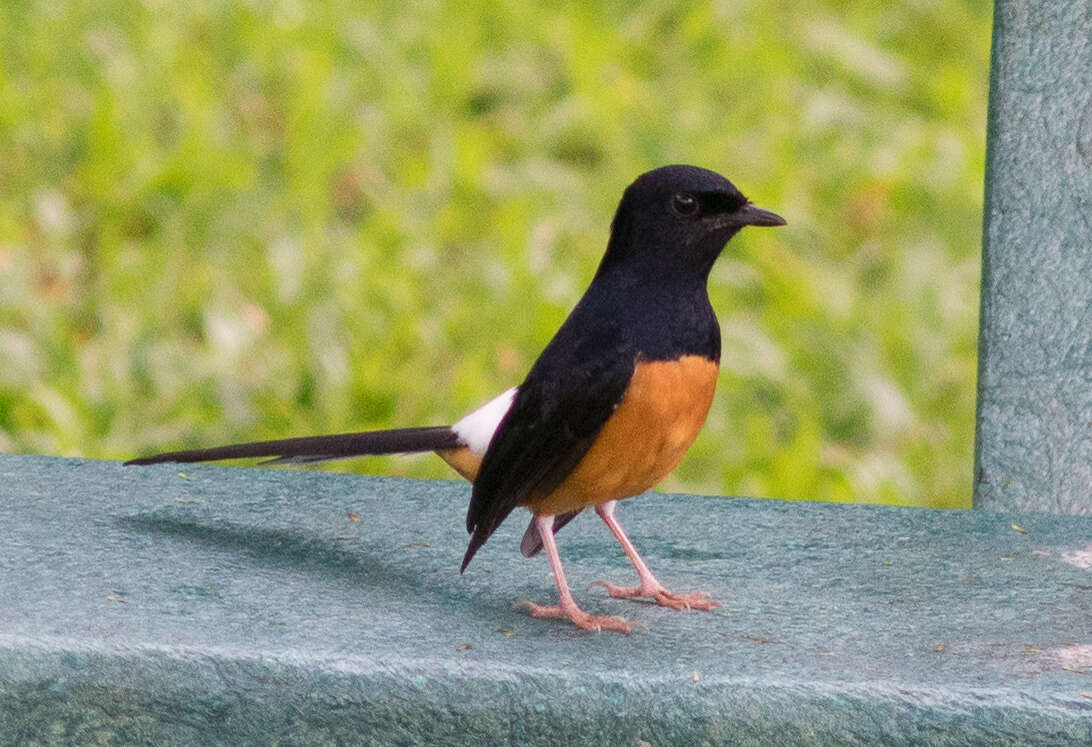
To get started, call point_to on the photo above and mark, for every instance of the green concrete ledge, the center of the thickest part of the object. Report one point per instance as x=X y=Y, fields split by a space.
x=238 y=606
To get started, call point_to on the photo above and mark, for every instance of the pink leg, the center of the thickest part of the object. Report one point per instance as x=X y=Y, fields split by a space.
x=567 y=607
x=649 y=587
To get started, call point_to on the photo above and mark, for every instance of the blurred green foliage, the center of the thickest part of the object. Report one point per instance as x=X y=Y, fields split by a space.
x=231 y=221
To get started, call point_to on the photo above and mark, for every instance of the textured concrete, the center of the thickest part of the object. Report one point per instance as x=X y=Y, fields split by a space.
x=246 y=606
x=1035 y=351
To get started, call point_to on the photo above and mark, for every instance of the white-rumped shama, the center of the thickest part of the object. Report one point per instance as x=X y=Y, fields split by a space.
x=610 y=406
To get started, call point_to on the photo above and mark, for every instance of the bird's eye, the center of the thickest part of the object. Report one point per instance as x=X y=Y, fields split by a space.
x=685 y=204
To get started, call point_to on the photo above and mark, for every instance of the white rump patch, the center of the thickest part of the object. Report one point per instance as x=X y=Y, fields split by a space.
x=476 y=429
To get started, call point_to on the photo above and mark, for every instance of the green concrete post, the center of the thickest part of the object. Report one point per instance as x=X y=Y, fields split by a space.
x=1034 y=441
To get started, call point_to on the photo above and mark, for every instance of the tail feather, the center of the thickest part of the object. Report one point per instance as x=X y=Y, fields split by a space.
x=320 y=448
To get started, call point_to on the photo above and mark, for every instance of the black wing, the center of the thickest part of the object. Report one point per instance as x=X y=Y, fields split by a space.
x=558 y=411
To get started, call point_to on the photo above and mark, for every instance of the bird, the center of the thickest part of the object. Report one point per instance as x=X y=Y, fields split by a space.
x=610 y=406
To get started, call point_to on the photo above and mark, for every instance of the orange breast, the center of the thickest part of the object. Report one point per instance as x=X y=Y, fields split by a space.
x=645 y=438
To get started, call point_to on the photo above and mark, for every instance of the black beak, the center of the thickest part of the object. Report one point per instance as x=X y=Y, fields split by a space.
x=752 y=215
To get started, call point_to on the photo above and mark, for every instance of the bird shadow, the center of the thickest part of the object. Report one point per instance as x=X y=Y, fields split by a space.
x=297 y=551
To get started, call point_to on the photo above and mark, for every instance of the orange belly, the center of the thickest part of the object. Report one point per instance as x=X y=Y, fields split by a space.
x=645 y=438
x=661 y=414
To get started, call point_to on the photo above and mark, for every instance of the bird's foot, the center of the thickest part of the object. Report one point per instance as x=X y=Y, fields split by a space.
x=697 y=601
x=578 y=617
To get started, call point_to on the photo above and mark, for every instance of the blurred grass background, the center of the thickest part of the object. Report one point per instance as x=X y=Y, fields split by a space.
x=227 y=221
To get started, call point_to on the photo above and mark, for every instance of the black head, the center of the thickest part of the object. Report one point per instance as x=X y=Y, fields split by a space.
x=676 y=220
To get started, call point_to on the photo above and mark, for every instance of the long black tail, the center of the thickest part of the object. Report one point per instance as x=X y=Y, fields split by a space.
x=320 y=448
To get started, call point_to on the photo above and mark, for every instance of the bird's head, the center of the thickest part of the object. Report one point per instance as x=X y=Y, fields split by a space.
x=678 y=218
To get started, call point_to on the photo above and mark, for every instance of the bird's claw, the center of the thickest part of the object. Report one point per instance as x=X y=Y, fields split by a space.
x=578 y=617
x=700 y=601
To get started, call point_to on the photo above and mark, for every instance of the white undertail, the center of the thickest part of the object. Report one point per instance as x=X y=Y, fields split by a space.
x=476 y=429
